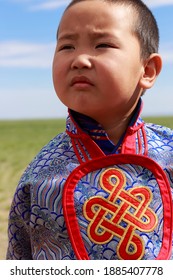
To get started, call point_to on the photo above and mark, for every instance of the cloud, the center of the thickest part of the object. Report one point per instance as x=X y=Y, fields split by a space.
x=167 y=53
x=38 y=5
x=26 y=55
x=158 y=3
x=50 y=5
x=54 y=4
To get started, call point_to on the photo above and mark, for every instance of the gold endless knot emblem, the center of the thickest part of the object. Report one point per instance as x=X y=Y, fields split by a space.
x=120 y=214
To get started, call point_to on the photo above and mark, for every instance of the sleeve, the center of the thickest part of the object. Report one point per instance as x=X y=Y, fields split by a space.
x=19 y=245
x=19 y=230
x=19 y=225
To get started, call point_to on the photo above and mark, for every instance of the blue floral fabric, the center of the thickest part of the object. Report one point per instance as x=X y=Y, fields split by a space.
x=37 y=229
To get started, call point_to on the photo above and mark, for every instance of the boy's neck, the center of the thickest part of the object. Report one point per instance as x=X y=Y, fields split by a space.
x=118 y=126
x=115 y=129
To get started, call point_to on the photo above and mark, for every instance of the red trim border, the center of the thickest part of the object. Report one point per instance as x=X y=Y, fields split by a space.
x=103 y=162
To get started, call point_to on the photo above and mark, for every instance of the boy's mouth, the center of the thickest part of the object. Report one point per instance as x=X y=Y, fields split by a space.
x=81 y=81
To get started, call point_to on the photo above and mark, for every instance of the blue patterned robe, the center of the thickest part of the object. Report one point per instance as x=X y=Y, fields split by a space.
x=37 y=228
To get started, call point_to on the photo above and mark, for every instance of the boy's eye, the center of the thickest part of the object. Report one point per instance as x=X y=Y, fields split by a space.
x=66 y=47
x=104 y=45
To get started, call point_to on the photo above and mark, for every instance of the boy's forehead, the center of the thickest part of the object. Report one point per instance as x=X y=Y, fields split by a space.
x=99 y=14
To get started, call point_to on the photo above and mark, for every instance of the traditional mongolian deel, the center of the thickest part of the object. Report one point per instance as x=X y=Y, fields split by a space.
x=76 y=201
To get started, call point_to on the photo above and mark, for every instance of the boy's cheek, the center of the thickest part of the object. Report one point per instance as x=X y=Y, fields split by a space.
x=56 y=73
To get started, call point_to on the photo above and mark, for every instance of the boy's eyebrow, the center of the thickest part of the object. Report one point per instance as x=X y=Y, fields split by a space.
x=93 y=35
x=101 y=34
x=67 y=36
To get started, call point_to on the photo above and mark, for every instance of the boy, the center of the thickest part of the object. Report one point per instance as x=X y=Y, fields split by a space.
x=102 y=189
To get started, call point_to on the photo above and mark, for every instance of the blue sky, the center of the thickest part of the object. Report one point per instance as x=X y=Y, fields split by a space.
x=27 y=43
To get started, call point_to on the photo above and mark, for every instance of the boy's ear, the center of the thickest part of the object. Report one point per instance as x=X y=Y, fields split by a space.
x=151 y=69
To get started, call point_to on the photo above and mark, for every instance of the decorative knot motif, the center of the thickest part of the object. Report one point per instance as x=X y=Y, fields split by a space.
x=120 y=215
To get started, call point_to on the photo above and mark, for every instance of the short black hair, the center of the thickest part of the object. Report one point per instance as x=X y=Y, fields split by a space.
x=144 y=26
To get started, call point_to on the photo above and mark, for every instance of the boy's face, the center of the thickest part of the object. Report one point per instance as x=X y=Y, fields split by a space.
x=97 y=65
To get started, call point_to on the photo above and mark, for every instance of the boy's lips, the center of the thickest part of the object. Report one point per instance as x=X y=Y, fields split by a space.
x=81 y=81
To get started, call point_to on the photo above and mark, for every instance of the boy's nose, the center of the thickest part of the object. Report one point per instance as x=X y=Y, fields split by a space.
x=81 y=61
